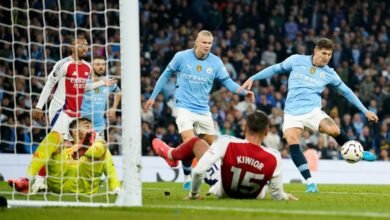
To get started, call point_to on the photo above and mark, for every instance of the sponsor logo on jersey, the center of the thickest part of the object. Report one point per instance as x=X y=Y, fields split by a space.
x=198 y=68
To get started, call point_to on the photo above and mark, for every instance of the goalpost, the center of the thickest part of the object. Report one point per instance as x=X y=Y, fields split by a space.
x=24 y=18
x=129 y=22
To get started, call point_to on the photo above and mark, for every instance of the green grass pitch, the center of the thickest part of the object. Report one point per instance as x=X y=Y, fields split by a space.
x=333 y=202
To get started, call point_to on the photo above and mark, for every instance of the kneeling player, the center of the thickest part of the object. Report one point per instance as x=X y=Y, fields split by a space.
x=75 y=169
x=246 y=166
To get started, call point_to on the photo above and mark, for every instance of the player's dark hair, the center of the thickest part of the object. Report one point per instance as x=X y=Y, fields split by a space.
x=325 y=43
x=79 y=37
x=75 y=122
x=257 y=122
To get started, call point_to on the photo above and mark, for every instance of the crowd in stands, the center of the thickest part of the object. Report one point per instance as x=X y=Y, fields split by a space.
x=248 y=36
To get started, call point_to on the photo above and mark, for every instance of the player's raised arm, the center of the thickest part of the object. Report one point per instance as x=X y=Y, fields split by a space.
x=103 y=82
x=278 y=68
x=352 y=98
x=162 y=80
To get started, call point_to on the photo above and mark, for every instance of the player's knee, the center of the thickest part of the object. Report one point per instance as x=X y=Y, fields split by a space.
x=291 y=139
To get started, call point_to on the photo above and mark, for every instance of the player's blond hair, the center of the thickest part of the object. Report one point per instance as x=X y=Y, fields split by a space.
x=203 y=33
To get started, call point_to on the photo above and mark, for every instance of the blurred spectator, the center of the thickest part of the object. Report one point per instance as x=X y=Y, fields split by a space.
x=172 y=137
x=250 y=35
x=273 y=139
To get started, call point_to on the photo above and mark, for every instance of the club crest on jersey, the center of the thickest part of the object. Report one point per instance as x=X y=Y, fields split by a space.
x=74 y=73
x=312 y=70
x=322 y=75
x=198 y=68
x=209 y=70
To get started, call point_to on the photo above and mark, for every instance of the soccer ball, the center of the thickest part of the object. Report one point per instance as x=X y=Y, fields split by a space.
x=352 y=151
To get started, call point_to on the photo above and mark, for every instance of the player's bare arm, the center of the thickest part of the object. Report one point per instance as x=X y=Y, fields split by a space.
x=371 y=116
x=111 y=113
x=110 y=82
x=38 y=115
x=247 y=85
x=148 y=104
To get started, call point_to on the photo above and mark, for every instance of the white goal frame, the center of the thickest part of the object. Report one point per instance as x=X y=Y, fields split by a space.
x=131 y=194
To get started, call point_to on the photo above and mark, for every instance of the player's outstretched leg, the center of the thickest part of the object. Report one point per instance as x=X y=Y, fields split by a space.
x=162 y=149
x=342 y=138
x=368 y=156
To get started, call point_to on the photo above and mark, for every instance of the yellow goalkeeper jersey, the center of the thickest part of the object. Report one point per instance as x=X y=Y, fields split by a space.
x=77 y=175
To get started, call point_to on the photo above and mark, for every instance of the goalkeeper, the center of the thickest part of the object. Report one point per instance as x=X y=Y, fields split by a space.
x=75 y=169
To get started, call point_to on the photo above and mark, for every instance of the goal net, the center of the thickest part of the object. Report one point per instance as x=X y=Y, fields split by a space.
x=35 y=35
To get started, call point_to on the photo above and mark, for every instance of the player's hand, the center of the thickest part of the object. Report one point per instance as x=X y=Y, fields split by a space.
x=250 y=95
x=38 y=115
x=148 y=104
x=291 y=197
x=110 y=82
x=111 y=113
x=372 y=117
x=246 y=85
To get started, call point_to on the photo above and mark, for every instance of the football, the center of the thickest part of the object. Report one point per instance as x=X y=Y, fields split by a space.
x=352 y=151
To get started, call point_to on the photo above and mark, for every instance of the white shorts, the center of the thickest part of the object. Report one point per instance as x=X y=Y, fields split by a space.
x=60 y=123
x=310 y=120
x=201 y=124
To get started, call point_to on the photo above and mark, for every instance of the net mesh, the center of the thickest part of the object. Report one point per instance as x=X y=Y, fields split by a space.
x=35 y=34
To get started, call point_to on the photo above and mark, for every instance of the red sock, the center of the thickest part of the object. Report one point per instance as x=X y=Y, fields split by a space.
x=184 y=150
x=42 y=171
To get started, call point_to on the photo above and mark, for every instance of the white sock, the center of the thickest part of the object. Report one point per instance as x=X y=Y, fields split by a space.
x=309 y=180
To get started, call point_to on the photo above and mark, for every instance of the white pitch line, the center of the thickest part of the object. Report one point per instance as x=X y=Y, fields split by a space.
x=299 y=192
x=275 y=211
x=349 y=193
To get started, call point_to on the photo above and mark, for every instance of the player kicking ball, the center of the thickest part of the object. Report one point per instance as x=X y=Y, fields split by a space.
x=76 y=169
x=246 y=166
x=308 y=77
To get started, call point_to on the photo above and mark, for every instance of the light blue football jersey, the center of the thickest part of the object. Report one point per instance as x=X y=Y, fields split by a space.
x=306 y=83
x=95 y=104
x=195 y=78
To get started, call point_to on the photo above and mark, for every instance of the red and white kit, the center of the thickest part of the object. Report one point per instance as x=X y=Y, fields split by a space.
x=245 y=169
x=69 y=78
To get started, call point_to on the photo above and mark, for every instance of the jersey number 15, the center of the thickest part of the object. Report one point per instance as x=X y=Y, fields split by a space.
x=247 y=186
